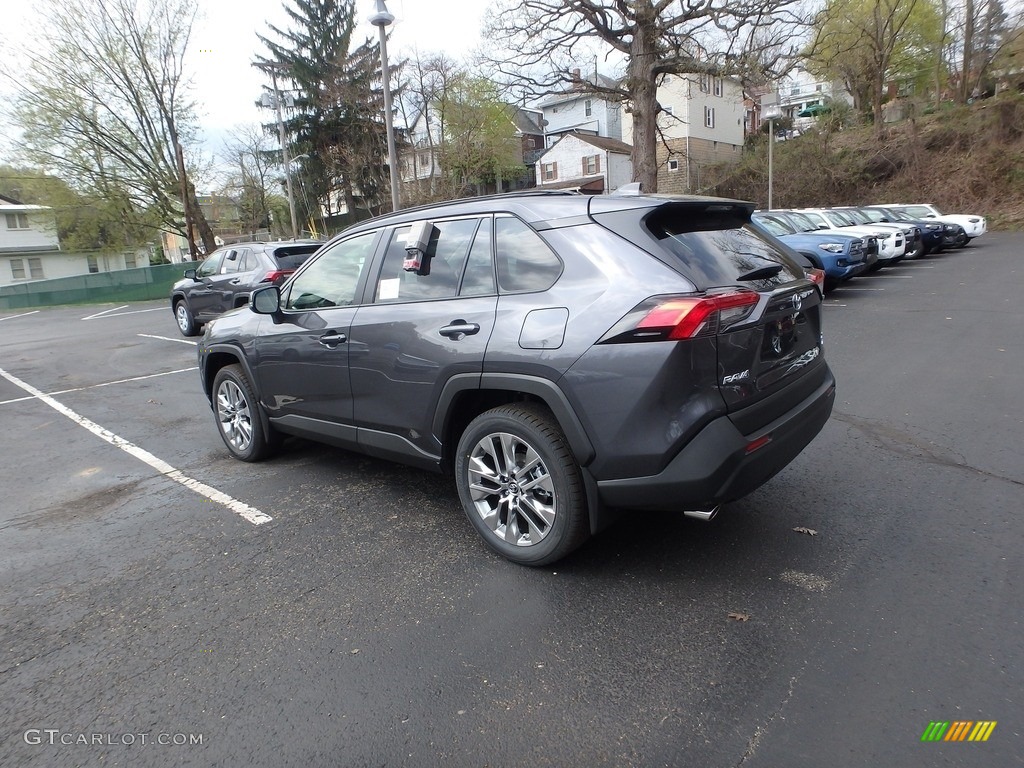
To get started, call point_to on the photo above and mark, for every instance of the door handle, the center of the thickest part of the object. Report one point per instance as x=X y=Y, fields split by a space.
x=332 y=339
x=458 y=329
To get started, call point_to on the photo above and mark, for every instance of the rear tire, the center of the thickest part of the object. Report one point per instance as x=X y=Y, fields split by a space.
x=520 y=486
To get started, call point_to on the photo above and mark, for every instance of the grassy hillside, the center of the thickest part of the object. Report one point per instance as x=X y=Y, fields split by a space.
x=962 y=159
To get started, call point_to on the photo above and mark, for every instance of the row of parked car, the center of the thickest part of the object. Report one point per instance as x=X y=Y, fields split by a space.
x=846 y=241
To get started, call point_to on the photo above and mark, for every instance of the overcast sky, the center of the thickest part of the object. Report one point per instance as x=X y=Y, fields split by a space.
x=224 y=45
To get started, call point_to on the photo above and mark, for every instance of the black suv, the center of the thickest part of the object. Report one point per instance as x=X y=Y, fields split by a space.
x=225 y=280
x=564 y=356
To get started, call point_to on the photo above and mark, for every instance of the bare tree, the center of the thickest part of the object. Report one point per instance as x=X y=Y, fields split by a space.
x=979 y=30
x=253 y=156
x=104 y=104
x=546 y=39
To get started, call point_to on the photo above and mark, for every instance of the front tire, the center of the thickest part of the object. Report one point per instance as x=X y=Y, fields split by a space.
x=185 y=319
x=238 y=416
x=520 y=486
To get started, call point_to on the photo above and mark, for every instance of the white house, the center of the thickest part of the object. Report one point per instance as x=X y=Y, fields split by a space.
x=702 y=122
x=30 y=248
x=576 y=111
x=801 y=91
x=592 y=164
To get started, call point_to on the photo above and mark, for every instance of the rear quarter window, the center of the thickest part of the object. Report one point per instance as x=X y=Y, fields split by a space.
x=524 y=260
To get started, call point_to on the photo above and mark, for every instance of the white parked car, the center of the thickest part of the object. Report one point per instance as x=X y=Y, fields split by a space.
x=973 y=225
x=891 y=242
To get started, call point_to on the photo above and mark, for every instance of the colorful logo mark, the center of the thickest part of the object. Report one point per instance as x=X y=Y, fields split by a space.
x=958 y=730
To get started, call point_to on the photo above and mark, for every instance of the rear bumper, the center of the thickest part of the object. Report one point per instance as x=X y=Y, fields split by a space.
x=715 y=467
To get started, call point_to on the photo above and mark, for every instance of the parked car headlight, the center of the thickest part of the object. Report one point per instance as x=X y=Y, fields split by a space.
x=832 y=247
x=934 y=226
x=884 y=237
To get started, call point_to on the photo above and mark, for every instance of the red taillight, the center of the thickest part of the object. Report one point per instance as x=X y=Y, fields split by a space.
x=672 y=318
x=276 y=275
x=817 y=276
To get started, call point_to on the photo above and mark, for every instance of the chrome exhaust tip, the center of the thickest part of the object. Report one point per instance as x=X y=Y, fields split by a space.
x=703 y=514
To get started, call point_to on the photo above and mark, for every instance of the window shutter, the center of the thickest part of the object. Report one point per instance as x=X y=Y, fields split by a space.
x=554 y=170
x=597 y=163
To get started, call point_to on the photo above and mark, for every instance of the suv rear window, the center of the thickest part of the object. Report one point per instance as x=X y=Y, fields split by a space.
x=716 y=245
x=293 y=256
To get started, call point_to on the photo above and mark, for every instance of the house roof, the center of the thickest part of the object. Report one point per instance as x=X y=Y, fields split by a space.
x=579 y=92
x=603 y=142
x=586 y=183
x=8 y=201
x=528 y=121
x=600 y=142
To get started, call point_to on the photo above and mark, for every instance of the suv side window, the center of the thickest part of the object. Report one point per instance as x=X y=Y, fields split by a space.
x=332 y=279
x=446 y=256
x=525 y=263
x=211 y=266
x=479 y=277
x=247 y=260
x=232 y=260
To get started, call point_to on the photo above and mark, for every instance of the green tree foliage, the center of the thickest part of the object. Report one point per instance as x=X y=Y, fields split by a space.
x=870 y=43
x=466 y=136
x=336 y=122
x=103 y=103
x=84 y=222
x=480 y=146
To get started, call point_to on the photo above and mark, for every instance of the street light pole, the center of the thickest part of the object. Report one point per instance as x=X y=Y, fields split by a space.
x=772 y=112
x=381 y=18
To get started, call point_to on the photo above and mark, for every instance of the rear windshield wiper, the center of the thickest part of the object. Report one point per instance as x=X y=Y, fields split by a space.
x=761 y=273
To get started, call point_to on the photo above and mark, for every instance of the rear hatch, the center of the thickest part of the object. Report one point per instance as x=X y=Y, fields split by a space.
x=288 y=258
x=766 y=312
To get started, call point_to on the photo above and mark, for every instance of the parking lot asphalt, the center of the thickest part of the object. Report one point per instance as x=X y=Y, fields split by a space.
x=165 y=604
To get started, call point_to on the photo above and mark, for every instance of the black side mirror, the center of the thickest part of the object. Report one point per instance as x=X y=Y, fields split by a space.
x=191 y=274
x=266 y=301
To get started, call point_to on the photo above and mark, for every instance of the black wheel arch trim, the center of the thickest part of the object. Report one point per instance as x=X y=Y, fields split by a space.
x=544 y=389
x=239 y=358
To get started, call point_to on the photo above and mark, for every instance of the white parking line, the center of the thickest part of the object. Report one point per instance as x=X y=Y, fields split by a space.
x=892 y=277
x=107 y=312
x=104 y=384
x=241 y=509
x=168 y=338
x=848 y=290
x=23 y=314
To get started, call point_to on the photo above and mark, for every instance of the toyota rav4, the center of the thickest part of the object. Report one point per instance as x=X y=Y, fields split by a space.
x=564 y=357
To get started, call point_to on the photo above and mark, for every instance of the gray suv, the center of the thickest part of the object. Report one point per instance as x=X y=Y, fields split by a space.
x=565 y=357
x=226 y=278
